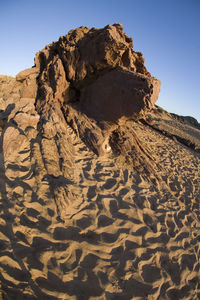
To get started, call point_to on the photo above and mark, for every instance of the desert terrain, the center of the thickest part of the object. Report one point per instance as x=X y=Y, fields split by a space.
x=99 y=187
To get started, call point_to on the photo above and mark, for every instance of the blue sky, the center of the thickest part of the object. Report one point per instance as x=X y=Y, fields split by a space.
x=167 y=32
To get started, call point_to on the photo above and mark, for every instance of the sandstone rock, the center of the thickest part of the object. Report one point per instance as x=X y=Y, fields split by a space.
x=87 y=76
x=28 y=80
x=21 y=76
x=9 y=89
x=99 y=69
x=12 y=141
x=120 y=93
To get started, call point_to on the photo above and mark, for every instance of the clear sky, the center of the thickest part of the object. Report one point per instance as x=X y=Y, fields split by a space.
x=167 y=32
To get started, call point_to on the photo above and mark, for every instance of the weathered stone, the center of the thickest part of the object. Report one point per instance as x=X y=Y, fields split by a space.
x=21 y=76
x=28 y=80
x=99 y=69
x=119 y=93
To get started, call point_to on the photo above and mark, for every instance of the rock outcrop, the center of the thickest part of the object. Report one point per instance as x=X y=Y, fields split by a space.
x=99 y=69
x=93 y=77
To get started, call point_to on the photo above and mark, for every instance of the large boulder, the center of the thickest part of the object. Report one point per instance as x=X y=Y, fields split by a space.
x=98 y=69
x=119 y=93
x=27 y=78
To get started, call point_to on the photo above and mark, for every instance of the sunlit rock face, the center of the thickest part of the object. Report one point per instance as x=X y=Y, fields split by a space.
x=94 y=80
x=97 y=69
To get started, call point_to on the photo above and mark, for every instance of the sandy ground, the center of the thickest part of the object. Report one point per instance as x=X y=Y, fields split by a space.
x=74 y=225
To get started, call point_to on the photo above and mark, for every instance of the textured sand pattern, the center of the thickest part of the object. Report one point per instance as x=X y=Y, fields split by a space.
x=74 y=225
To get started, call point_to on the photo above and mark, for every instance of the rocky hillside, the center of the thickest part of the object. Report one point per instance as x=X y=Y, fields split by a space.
x=99 y=187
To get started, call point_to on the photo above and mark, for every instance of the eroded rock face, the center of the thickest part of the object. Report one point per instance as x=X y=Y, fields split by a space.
x=28 y=80
x=119 y=93
x=90 y=79
x=99 y=69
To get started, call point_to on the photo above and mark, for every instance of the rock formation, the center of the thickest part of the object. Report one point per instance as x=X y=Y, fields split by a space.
x=93 y=77
x=90 y=60
x=99 y=188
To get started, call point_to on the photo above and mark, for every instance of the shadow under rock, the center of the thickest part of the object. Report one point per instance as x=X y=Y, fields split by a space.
x=4 y=114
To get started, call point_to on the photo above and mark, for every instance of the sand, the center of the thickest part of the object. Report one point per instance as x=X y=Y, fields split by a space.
x=75 y=225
